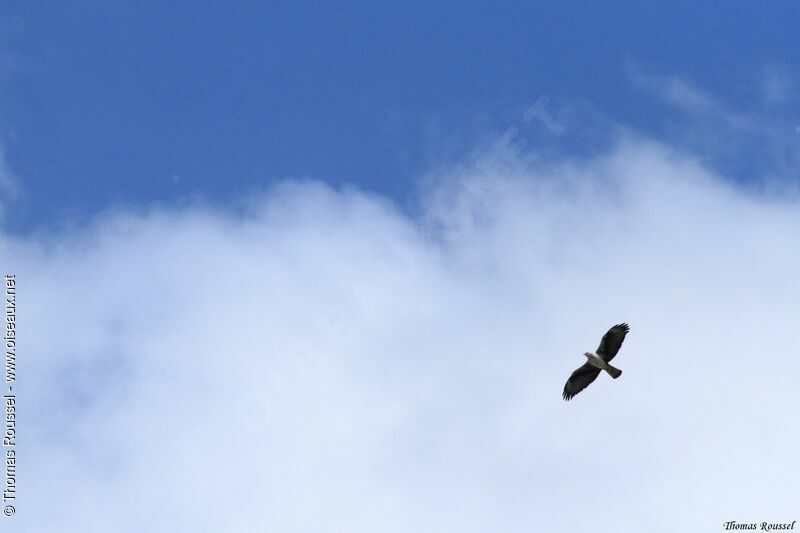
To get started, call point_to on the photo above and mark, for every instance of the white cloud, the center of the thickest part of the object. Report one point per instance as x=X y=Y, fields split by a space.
x=8 y=188
x=699 y=104
x=327 y=363
x=753 y=139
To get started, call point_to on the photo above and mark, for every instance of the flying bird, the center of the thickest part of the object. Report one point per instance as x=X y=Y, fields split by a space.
x=595 y=362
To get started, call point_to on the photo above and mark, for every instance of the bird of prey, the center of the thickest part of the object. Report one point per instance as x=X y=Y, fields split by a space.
x=609 y=346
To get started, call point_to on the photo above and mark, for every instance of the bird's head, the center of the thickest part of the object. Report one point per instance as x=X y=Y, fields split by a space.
x=587 y=354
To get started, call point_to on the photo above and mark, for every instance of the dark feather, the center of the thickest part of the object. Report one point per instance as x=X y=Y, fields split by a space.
x=611 y=342
x=579 y=380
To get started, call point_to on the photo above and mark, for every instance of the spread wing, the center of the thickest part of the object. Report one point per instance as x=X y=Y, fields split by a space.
x=579 y=380
x=612 y=340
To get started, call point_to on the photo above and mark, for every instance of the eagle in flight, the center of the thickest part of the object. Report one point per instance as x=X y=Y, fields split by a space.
x=609 y=346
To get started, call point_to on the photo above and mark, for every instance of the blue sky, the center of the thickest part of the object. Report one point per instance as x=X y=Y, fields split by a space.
x=303 y=268
x=112 y=103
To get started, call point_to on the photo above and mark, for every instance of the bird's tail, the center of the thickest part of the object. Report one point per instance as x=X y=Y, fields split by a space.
x=615 y=372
